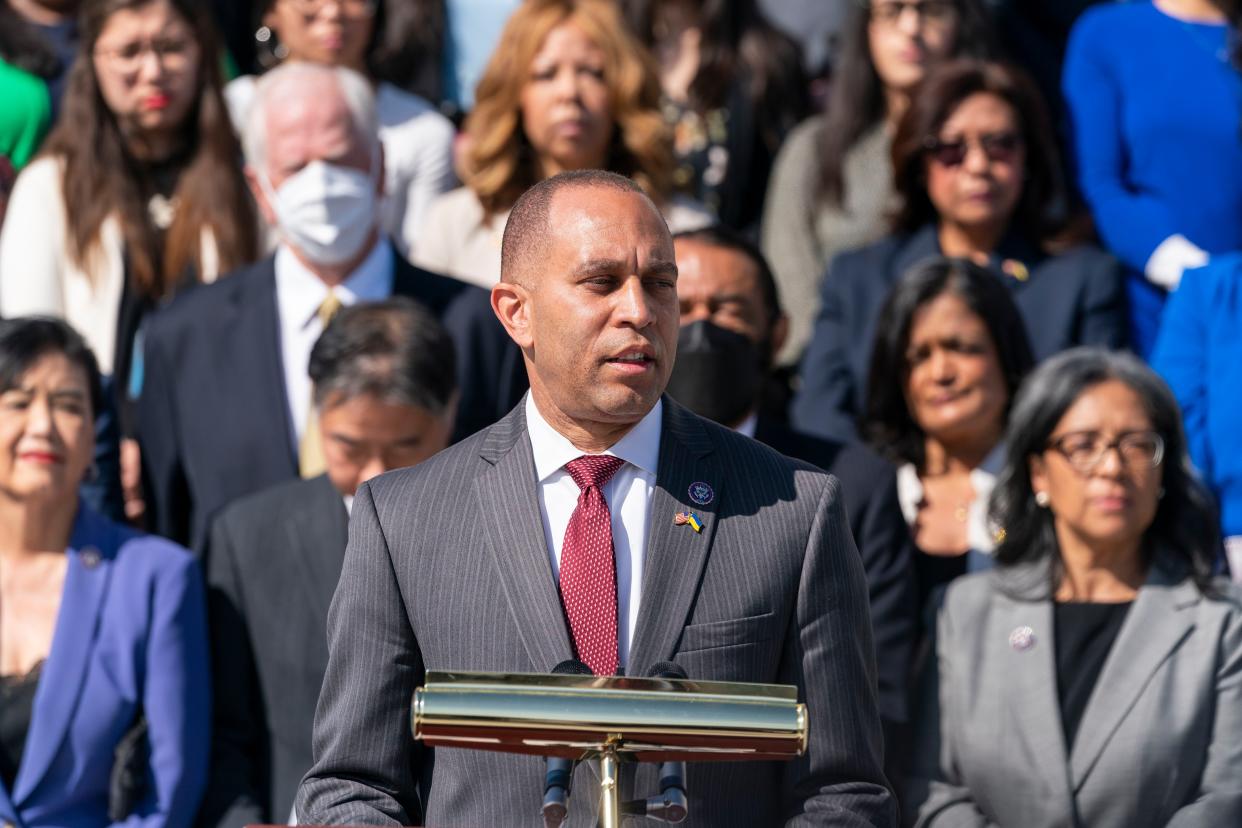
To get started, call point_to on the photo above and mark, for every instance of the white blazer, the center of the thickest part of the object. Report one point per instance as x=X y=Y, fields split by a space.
x=37 y=275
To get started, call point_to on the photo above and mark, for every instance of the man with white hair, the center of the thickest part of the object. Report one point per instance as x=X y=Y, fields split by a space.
x=226 y=402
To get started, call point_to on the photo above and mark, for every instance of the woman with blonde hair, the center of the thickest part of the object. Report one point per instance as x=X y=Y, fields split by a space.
x=567 y=88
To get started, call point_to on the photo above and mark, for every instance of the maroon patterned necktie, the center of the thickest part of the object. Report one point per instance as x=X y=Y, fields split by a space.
x=588 y=570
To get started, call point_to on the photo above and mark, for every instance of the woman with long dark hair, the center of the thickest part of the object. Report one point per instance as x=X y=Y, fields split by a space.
x=831 y=186
x=733 y=89
x=374 y=38
x=139 y=190
x=950 y=352
x=1094 y=676
x=978 y=172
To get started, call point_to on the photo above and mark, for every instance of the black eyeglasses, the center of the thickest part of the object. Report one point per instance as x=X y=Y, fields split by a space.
x=997 y=146
x=1086 y=449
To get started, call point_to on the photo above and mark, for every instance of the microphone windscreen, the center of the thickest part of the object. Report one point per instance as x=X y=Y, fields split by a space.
x=667 y=669
x=574 y=667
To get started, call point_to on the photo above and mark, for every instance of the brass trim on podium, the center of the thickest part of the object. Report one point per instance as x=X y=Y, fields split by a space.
x=642 y=719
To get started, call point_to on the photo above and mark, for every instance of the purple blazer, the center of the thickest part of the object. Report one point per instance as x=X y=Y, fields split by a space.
x=131 y=635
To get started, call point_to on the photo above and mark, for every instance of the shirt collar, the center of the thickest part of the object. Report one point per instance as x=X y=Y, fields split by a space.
x=747 y=427
x=300 y=292
x=639 y=447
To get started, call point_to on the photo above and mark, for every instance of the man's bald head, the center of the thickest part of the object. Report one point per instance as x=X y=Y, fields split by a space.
x=527 y=231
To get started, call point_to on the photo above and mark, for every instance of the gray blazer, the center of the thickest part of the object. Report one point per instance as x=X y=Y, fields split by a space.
x=447 y=568
x=1160 y=741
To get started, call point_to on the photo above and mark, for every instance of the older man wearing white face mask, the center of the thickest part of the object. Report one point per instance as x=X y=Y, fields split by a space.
x=225 y=407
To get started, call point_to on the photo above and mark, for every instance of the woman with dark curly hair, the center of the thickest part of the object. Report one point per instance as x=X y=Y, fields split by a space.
x=1094 y=677
x=568 y=88
x=976 y=166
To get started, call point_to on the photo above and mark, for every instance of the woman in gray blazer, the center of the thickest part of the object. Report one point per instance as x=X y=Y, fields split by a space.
x=1094 y=678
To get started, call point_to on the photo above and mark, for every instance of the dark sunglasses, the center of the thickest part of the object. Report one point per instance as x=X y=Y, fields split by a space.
x=997 y=146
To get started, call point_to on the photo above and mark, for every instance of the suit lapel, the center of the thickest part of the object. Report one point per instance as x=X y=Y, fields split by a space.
x=1030 y=681
x=86 y=585
x=675 y=554
x=254 y=366
x=1154 y=627
x=507 y=506
x=318 y=531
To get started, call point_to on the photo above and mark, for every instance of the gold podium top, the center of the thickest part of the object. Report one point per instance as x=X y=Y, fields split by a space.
x=648 y=719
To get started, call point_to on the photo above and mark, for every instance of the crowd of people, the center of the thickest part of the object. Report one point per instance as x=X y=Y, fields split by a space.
x=977 y=259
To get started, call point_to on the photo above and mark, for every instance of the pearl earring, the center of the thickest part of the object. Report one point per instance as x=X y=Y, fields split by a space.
x=1042 y=499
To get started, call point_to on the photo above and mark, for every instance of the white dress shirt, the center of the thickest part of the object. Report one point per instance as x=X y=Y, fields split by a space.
x=299 y=293
x=628 y=494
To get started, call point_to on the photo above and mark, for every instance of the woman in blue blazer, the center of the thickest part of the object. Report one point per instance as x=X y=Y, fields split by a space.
x=102 y=629
x=978 y=173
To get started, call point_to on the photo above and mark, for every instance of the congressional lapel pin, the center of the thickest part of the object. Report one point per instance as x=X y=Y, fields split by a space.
x=1015 y=269
x=688 y=519
x=1022 y=639
x=90 y=557
x=701 y=493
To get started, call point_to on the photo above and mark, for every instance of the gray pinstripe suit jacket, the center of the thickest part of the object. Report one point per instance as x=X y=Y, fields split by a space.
x=447 y=569
x=1160 y=742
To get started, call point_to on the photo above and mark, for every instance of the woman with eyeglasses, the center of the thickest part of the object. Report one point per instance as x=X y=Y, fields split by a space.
x=1154 y=92
x=976 y=167
x=138 y=192
x=831 y=183
x=1094 y=676
x=370 y=37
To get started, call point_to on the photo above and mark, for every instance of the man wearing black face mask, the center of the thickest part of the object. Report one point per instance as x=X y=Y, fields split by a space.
x=731 y=328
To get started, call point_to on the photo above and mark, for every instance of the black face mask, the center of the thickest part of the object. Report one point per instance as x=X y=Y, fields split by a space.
x=718 y=374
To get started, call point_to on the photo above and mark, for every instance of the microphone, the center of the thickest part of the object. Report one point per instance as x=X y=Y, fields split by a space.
x=671 y=805
x=560 y=772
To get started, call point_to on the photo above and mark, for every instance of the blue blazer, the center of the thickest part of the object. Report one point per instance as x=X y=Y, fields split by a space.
x=131 y=635
x=1199 y=354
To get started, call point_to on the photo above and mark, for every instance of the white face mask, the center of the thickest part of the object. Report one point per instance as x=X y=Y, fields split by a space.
x=325 y=211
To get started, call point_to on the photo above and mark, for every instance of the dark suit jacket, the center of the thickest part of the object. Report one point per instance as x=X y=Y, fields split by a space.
x=447 y=568
x=869 y=488
x=273 y=560
x=1076 y=298
x=214 y=421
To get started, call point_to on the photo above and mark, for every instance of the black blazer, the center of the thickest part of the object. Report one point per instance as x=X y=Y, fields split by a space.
x=214 y=421
x=1076 y=298
x=869 y=486
x=273 y=560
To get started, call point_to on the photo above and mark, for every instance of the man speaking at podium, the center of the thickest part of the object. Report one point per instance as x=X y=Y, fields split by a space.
x=602 y=522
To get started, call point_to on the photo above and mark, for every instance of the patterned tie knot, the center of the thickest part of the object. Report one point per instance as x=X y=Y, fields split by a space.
x=593 y=470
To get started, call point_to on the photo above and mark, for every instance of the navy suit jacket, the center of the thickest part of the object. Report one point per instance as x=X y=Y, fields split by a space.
x=131 y=636
x=1075 y=298
x=214 y=419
